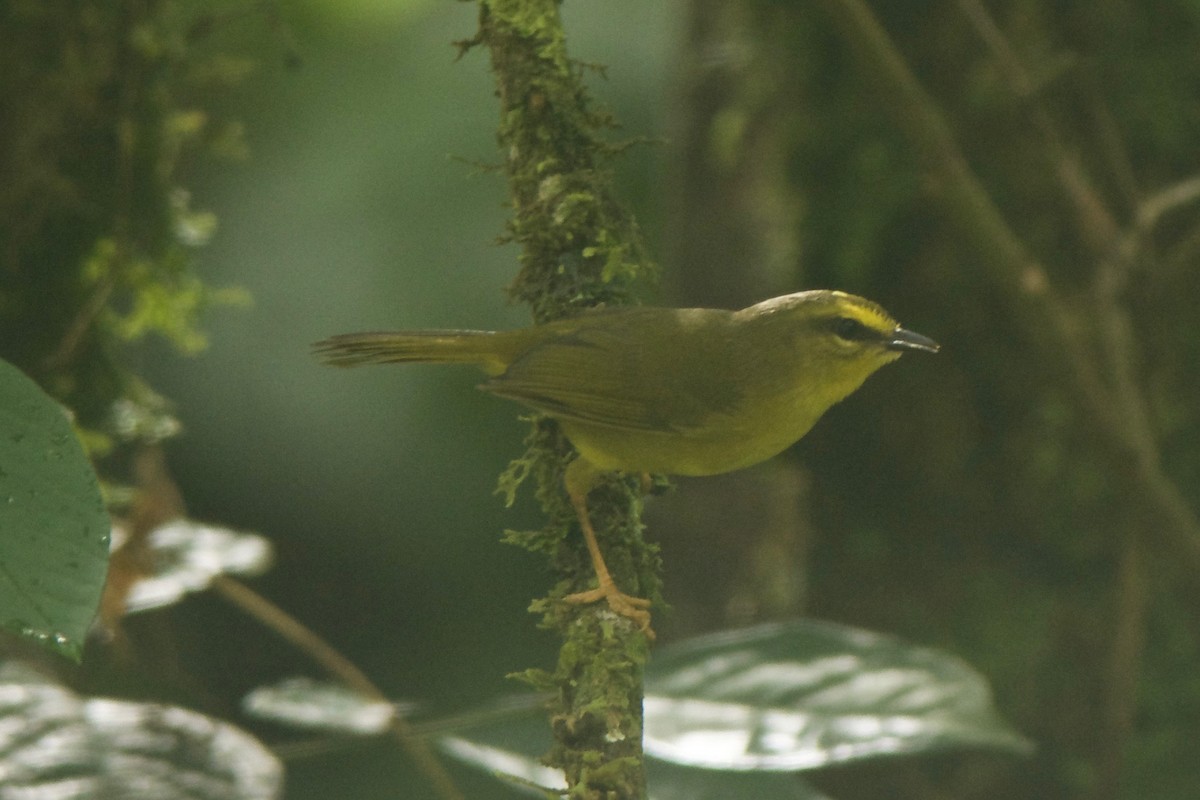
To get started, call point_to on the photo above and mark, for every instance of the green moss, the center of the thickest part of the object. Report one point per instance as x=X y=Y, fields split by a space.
x=579 y=248
x=95 y=231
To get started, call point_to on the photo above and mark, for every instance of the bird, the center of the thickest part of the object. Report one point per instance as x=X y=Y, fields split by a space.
x=673 y=391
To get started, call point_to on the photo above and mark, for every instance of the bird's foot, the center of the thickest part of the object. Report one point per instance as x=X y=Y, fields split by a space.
x=626 y=605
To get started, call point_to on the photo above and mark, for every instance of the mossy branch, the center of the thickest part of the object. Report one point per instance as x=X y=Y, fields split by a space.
x=579 y=248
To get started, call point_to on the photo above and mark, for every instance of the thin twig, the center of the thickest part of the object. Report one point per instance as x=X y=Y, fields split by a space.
x=1111 y=141
x=1154 y=208
x=68 y=345
x=1167 y=200
x=1131 y=601
x=1184 y=252
x=341 y=668
x=1096 y=222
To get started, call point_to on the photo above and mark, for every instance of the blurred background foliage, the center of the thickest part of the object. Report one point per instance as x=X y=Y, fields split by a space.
x=965 y=501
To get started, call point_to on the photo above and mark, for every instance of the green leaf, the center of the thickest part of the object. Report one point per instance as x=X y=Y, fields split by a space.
x=674 y=782
x=313 y=705
x=727 y=714
x=54 y=530
x=57 y=745
x=509 y=741
x=188 y=555
x=805 y=694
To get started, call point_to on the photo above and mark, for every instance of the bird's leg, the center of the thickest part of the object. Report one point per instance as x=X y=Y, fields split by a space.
x=580 y=478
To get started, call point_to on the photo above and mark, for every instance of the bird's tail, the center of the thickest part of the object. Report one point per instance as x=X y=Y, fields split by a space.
x=484 y=348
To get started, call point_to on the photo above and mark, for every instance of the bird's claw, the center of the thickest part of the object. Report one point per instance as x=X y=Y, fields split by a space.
x=626 y=605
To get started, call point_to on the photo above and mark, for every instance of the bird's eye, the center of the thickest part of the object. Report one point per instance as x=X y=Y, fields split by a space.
x=850 y=329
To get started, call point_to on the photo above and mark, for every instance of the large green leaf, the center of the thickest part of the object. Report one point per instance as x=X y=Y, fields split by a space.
x=509 y=743
x=805 y=694
x=53 y=527
x=55 y=745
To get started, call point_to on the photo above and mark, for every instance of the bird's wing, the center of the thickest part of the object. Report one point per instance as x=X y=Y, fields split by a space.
x=606 y=375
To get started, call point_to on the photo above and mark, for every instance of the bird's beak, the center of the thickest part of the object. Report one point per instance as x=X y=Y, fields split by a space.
x=902 y=339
